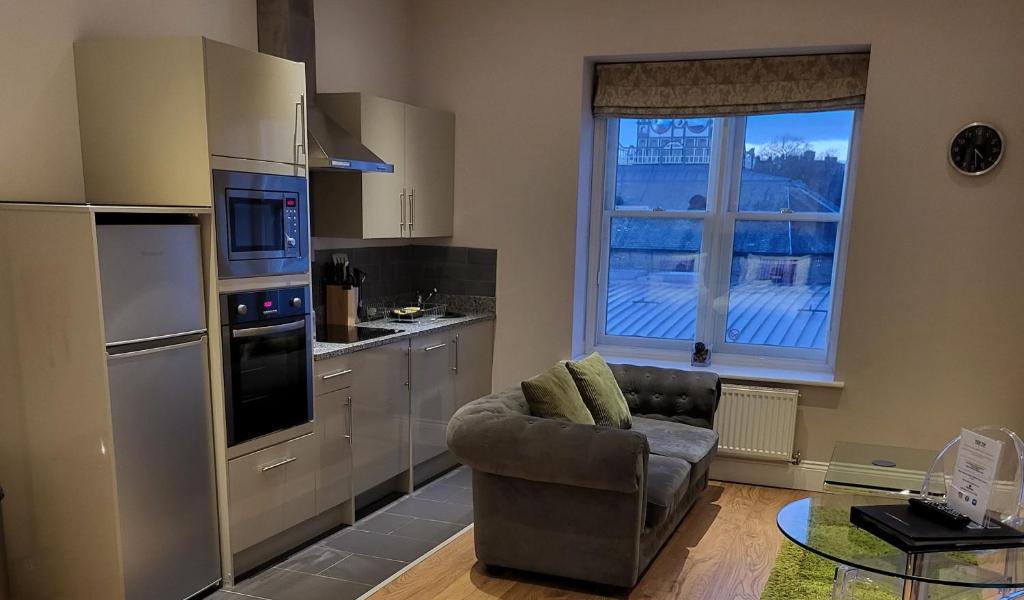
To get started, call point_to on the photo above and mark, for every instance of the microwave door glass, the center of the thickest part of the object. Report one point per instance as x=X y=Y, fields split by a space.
x=257 y=225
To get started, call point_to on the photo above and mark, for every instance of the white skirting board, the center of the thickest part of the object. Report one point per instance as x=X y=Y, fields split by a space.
x=808 y=475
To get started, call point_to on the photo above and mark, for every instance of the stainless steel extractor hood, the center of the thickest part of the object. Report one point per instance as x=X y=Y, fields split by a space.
x=286 y=29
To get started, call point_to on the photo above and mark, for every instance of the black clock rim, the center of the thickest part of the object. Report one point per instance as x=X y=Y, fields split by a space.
x=952 y=140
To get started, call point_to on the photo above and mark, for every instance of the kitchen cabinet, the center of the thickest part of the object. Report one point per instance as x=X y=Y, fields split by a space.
x=255 y=107
x=433 y=394
x=272 y=490
x=473 y=361
x=380 y=415
x=332 y=410
x=157 y=114
x=413 y=202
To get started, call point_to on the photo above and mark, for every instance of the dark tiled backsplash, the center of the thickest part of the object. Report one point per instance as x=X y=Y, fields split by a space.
x=406 y=270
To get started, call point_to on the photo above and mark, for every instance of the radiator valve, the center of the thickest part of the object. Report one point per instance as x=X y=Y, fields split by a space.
x=796 y=457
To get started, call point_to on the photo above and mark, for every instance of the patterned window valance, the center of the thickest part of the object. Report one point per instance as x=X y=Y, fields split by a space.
x=731 y=86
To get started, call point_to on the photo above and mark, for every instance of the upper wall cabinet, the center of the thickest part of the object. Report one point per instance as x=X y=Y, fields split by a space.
x=413 y=202
x=157 y=114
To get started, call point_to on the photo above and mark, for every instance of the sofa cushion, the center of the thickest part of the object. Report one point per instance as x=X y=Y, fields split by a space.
x=668 y=479
x=695 y=445
x=600 y=391
x=554 y=395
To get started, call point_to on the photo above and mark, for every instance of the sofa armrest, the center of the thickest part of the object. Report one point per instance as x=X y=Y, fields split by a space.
x=689 y=397
x=548 y=451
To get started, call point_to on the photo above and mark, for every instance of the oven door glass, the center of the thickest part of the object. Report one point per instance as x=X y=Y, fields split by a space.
x=268 y=379
x=256 y=224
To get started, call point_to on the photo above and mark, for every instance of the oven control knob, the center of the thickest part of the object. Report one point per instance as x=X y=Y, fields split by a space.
x=290 y=241
x=242 y=309
x=296 y=302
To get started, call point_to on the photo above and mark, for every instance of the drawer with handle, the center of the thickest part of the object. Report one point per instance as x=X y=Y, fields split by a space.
x=333 y=374
x=271 y=490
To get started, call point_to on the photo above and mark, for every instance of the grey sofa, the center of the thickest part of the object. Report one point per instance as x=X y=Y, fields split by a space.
x=582 y=501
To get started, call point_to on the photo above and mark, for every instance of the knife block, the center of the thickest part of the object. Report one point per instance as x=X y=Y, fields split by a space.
x=342 y=306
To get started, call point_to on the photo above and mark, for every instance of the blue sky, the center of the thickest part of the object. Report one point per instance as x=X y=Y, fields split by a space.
x=822 y=130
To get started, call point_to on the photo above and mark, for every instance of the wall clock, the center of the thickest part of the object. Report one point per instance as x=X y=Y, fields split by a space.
x=976 y=149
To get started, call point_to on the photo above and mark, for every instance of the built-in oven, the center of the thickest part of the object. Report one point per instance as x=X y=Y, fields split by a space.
x=266 y=337
x=262 y=224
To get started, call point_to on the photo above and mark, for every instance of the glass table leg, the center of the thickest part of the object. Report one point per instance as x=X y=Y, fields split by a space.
x=842 y=585
x=913 y=589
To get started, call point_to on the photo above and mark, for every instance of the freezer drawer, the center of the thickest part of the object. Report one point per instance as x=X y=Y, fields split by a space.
x=271 y=490
x=163 y=449
x=151 y=281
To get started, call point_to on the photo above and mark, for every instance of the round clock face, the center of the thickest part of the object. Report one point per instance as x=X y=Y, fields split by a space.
x=976 y=149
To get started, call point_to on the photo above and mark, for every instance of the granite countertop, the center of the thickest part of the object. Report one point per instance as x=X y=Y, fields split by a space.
x=325 y=350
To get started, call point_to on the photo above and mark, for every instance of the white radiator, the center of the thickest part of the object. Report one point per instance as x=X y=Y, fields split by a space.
x=756 y=422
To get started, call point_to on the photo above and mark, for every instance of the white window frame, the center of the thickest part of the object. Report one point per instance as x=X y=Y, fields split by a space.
x=726 y=155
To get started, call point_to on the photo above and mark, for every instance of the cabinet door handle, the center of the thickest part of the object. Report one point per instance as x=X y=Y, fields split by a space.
x=336 y=374
x=434 y=347
x=401 y=204
x=412 y=209
x=455 y=342
x=277 y=464
x=348 y=404
x=301 y=107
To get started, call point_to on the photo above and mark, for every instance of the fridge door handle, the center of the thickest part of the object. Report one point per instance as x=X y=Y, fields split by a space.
x=192 y=342
x=256 y=331
x=155 y=338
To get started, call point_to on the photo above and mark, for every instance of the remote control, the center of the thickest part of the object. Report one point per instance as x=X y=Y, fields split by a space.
x=939 y=511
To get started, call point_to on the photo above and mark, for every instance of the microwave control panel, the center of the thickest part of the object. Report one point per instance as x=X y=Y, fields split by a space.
x=291 y=225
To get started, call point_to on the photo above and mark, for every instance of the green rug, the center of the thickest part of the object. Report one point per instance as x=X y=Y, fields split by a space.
x=801 y=575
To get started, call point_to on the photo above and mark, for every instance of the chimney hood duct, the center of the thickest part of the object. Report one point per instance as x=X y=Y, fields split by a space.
x=286 y=29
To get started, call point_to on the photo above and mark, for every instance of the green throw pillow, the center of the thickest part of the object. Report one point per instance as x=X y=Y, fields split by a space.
x=600 y=392
x=553 y=395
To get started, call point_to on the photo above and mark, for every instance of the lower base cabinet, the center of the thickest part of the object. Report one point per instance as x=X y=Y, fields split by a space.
x=380 y=415
x=333 y=427
x=433 y=394
x=474 y=361
x=272 y=490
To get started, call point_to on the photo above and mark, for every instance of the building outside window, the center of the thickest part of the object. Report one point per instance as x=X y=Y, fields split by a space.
x=727 y=231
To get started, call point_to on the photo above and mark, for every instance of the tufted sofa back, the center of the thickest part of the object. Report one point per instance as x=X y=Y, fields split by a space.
x=689 y=397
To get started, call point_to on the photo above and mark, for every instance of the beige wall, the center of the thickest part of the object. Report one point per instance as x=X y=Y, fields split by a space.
x=364 y=46
x=932 y=324
x=40 y=157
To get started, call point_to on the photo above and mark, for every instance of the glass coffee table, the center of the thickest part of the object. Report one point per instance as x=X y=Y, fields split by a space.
x=883 y=470
x=821 y=524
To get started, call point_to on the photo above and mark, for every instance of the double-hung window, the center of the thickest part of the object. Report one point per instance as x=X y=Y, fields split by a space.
x=736 y=241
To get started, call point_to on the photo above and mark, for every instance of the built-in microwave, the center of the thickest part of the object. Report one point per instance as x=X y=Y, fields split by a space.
x=262 y=224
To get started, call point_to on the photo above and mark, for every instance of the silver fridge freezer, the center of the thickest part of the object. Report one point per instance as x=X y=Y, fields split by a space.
x=155 y=327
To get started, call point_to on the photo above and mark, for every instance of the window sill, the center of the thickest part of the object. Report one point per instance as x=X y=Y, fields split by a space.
x=741 y=368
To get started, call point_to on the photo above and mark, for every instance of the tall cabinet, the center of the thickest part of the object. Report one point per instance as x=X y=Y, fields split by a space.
x=157 y=114
x=413 y=202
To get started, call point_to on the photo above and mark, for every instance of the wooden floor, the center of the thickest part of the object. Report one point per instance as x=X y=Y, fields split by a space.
x=724 y=550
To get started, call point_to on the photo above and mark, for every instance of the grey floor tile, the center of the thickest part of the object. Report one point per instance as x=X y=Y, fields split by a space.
x=379 y=545
x=369 y=570
x=381 y=522
x=462 y=477
x=437 y=490
x=435 y=511
x=228 y=595
x=463 y=496
x=434 y=532
x=278 y=584
x=313 y=559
